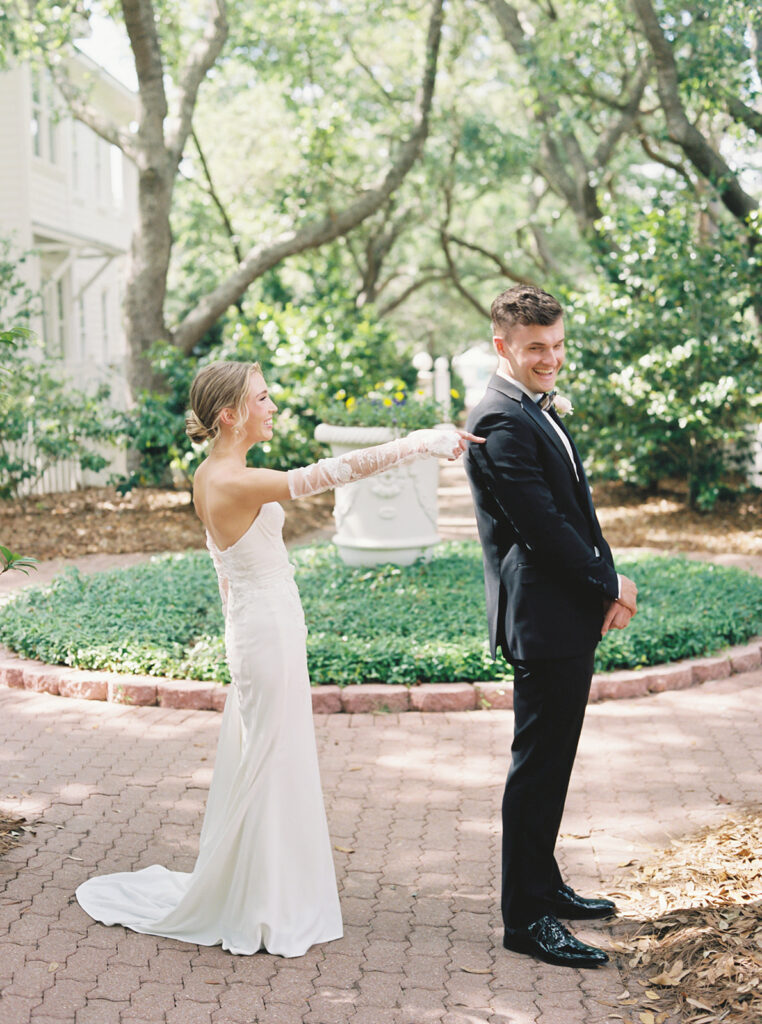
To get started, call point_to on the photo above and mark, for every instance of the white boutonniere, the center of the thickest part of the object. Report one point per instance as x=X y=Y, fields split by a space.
x=562 y=405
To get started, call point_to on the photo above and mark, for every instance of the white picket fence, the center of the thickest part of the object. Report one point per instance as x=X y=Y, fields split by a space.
x=63 y=476
x=755 y=470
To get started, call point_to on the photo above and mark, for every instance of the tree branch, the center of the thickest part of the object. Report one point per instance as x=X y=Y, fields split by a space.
x=212 y=193
x=508 y=19
x=741 y=112
x=564 y=164
x=505 y=270
x=387 y=96
x=377 y=248
x=665 y=161
x=201 y=58
x=695 y=146
x=629 y=112
x=82 y=111
x=456 y=279
x=259 y=259
x=144 y=40
x=407 y=292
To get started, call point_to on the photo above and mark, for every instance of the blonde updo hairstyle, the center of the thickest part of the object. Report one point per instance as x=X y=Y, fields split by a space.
x=217 y=386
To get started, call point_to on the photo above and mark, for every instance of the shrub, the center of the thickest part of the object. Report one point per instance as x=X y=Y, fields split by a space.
x=307 y=353
x=45 y=419
x=664 y=360
x=424 y=622
x=687 y=609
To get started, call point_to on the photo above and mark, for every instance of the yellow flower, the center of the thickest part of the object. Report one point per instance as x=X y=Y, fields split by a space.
x=454 y=393
x=399 y=396
x=419 y=392
x=351 y=402
x=340 y=395
x=387 y=402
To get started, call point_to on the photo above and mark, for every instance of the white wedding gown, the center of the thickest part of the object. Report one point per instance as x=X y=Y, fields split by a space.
x=264 y=877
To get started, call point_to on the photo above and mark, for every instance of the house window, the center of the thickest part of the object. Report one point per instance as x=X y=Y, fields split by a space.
x=116 y=177
x=76 y=184
x=82 y=328
x=36 y=113
x=44 y=127
x=54 y=316
x=98 y=169
x=52 y=133
x=61 y=316
x=104 y=322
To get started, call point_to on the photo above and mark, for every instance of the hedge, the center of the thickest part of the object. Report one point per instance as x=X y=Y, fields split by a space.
x=421 y=623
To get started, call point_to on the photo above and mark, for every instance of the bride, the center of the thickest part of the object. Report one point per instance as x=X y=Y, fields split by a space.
x=264 y=877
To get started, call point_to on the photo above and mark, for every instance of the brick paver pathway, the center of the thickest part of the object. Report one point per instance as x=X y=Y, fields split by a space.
x=413 y=806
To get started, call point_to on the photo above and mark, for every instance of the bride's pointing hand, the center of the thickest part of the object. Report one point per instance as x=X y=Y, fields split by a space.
x=463 y=438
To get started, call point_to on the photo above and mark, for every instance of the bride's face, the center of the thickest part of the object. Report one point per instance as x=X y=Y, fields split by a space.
x=259 y=411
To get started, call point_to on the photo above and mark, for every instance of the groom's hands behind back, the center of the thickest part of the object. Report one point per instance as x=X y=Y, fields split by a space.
x=628 y=594
x=618 y=613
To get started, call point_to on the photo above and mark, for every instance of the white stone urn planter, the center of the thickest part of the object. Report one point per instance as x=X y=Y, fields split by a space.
x=391 y=517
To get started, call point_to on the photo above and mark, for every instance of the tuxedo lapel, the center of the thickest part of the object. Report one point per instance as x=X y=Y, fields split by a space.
x=505 y=387
x=580 y=470
x=541 y=420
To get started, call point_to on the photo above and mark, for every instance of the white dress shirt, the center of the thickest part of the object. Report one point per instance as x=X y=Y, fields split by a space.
x=536 y=396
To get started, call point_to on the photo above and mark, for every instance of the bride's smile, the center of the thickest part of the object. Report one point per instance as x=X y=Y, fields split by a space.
x=259 y=411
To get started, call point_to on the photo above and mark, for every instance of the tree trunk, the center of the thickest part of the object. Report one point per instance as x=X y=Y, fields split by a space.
x=147 y=276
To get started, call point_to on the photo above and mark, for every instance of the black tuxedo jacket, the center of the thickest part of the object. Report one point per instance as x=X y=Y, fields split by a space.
x=547 y=567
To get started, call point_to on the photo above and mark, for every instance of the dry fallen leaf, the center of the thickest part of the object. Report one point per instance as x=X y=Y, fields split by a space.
x=476 y=970
x=664 y=979
x=698 y=1005
x=53 y=966
x=344 y=849
x=692 y=927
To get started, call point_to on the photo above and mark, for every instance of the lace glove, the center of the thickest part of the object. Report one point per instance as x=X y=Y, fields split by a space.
x=365 y=462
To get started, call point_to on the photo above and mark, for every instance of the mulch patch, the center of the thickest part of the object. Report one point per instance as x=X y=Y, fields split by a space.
x=690 y=936
x=99 y=520
x=12 y=830
x=635 y=519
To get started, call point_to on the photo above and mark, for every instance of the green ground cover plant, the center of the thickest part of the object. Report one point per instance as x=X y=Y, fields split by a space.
x=422 y=623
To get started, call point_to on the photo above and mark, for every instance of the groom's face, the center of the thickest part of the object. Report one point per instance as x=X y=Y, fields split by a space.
x=532 y=353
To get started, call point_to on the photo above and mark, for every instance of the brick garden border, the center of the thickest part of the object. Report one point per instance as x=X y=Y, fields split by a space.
x=135 y=690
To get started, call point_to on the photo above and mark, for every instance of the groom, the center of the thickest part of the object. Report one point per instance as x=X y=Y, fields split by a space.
x=552 y=592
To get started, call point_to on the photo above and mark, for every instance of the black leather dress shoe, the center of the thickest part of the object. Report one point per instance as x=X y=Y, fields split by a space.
x=567 y=904
x=548 y=940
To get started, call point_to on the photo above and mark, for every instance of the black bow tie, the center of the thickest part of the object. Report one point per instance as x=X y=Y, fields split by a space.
x=546 y=401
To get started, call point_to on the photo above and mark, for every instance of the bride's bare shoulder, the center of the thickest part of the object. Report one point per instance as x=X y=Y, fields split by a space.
x=227 y=480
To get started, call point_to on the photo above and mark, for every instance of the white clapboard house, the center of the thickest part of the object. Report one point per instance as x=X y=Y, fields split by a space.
x=70 y=198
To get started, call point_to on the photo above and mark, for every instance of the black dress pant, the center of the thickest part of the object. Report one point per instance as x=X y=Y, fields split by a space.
x=549 y=702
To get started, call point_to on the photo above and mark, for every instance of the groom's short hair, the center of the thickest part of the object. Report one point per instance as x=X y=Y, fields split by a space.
x=524 y=304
